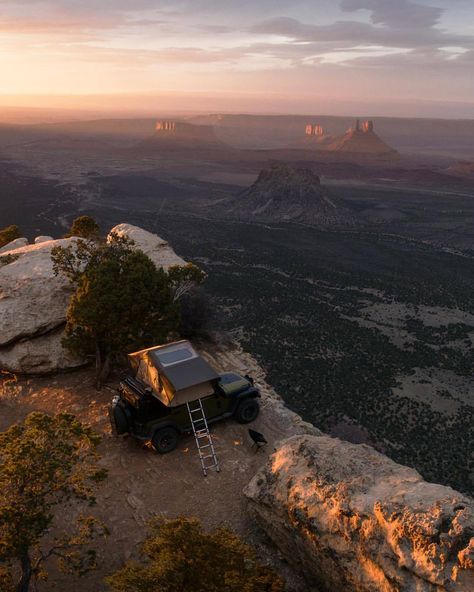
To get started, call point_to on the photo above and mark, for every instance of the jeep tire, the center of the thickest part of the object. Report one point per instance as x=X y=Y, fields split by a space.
x=165 y=440
x=120 y=420
x=247 y=410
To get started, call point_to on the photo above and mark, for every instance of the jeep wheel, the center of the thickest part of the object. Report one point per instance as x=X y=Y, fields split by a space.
x=165 y=440
x=247 y=411
x=120 y=420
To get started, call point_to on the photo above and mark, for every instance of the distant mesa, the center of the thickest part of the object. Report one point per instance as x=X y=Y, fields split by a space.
x=283 y=193
x=363 y=140
x=180 y=135
x=359 y=142
x=315 y=133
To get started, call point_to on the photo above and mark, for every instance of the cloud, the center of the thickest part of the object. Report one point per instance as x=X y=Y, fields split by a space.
x=396 y=13
x=355 y=32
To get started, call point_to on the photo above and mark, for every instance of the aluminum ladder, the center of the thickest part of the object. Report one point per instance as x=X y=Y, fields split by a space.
x=204 y=443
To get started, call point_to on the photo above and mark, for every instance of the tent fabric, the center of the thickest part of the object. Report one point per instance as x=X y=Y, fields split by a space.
x=175 y=372
x=188 y=373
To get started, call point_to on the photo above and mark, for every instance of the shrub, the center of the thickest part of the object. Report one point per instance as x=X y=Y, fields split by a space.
x=122 y=302
x=179 y=555
x=84 y=227
x=8 y=234
x=46 y=461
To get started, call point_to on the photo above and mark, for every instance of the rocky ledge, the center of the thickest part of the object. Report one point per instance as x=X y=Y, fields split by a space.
x=33 y=301
x=354 y=520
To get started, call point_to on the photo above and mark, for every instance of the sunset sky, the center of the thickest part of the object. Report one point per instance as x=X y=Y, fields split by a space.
x=387 y=56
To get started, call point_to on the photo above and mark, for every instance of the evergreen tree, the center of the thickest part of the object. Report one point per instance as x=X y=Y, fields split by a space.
x=84 y=227
x=8 y=234
x=179 y=555
x=45 y=463
x=122 y=302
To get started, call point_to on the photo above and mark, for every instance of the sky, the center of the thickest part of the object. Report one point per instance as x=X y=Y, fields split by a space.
x=393 y=57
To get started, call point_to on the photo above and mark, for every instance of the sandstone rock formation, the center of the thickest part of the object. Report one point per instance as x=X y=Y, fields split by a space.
x=157 y=249
x=363 y=142
x=315 y=136
x=33 y=302
x=354 y=520
x=42 y=239
x=182 y=136
x=14 y=244
x=286 y=194
x=33 y=305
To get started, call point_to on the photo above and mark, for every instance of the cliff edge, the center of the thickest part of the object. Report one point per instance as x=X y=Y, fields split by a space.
x=352 y=519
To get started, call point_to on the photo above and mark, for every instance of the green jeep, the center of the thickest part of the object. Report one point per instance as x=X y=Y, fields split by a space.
x=152 y=403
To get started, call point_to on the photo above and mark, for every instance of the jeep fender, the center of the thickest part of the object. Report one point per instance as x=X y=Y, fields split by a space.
x=248 y=394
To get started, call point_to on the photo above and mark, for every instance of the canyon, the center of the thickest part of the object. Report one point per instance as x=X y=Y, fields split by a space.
x=341 y=513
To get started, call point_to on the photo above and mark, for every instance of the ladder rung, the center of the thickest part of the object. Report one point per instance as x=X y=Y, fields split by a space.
x=201 y=430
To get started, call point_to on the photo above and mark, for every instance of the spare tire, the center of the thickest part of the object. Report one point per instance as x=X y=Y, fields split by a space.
x=165 y=440
x=247 y=411
x=120 y=420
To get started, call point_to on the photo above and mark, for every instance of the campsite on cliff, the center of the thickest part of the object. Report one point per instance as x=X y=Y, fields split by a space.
x=236 y=296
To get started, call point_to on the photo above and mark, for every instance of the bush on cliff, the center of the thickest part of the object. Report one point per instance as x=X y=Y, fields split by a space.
x=179 y=555
x=121 y=303
x=84 y=227
x=8 y=234
x=46 y=462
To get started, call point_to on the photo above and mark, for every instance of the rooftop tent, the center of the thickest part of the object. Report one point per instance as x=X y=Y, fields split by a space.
x=175 y=372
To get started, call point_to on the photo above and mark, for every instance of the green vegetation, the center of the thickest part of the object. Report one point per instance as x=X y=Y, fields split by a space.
x=46 y=463
x=179 y=555
x=7 y=259
x=9 y=234
x=184 y=278
x=122 y=302
x=84 y=227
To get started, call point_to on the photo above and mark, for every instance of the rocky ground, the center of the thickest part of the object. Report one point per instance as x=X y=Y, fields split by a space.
x=142 y=483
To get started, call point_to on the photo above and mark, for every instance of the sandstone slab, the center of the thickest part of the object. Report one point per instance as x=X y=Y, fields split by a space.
x=354 y=520
x=32 y=300
x=14 y=244
x=40 y=355
x=157 y=249
x=43 y=239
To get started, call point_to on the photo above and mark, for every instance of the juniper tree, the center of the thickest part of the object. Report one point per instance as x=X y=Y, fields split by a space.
x=8 y=234
x=179 y=555
x=122 y=302
x=46 y=463
x=84 y=227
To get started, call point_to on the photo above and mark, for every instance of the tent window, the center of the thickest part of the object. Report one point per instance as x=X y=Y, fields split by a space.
x=172 y=357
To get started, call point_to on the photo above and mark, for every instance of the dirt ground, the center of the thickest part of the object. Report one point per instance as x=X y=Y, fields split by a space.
x=142 y=483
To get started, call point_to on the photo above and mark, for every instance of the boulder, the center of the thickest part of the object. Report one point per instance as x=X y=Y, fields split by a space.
x=157 y=249
x=18 y=243
x=32 y=300
x=354 y=520
x=40 y=355
x=42 y=239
